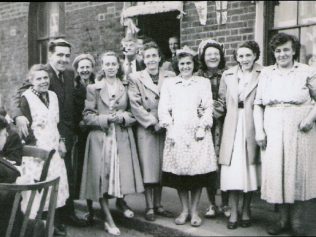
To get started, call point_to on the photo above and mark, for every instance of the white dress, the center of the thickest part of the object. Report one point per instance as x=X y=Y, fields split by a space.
x=178 y=111
x=44 y=126
x=240 y=175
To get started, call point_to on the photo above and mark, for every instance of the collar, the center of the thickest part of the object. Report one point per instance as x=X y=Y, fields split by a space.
x=55 y=70
x=184 y=82
x=295 y=66
x=37 y=92
x=132 y=62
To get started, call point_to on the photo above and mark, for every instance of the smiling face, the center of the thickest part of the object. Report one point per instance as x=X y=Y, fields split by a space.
x=212 y=57
x=151 y=58
x=40 y=81
x=85 y=69
x=110 y=66
x=60 y=58
x=186 y=66
x=246 y=58
x=284 y=55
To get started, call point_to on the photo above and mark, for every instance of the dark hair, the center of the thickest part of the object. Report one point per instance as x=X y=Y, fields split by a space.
x=183 y=55
x=58 y=42
x=3 y=122
x=282 y=38
x=35 y=68
x=145 y=39
x=153 y=45
x=222 y=62
x=3 y=112
x=252 y=45
x=101 y=73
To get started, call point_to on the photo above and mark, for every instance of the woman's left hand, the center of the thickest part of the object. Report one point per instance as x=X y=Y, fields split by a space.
x=62 y=148
x=306 y=125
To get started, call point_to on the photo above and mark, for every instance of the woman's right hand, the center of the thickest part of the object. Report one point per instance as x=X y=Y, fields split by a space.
x=261 y=139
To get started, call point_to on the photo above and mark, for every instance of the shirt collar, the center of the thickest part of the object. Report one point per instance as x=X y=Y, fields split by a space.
x=55 y=70
x=295 y=66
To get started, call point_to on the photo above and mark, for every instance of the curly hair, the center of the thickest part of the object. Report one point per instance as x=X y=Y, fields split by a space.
x=101 y=73
x=252 y=45
x=153 y=45
x=35 y=68
x=183 y=55
x=222 y=62
x=282 y=38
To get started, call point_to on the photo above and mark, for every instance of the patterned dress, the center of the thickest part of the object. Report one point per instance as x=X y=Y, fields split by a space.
x=288 y=162
x=178 y=111
x=44 y=126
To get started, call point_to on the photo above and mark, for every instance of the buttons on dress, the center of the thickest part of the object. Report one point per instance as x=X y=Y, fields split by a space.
x=148 y=110
x=146 y=98
x=157 y=97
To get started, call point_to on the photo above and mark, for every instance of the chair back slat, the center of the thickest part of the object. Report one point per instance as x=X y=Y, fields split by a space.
x=44 y=186
x=42 y=204
x=27 y=213
x=17 y=198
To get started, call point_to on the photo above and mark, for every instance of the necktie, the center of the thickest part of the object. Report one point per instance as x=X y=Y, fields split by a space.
x=61 y=77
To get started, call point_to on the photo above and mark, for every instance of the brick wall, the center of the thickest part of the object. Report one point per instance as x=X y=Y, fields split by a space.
x=13 y=47
x=94 y=27
x=239 y=27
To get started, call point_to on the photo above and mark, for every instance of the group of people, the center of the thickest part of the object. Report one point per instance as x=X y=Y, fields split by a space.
x=188 y=123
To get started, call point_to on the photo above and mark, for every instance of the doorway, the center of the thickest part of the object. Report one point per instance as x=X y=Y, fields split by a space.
x=160 y=27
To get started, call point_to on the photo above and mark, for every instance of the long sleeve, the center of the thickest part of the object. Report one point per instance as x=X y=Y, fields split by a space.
x=91 y=116
x=164 y=108
x=142 y=116
x=25 y=111
x=128 y=116
x=220 y=104
x=13 y=148
x=16 y=101
x=206 y=119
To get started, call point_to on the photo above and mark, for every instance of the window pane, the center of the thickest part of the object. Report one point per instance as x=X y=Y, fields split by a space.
x=42 y=22
x=308 y=47
x=307 y=12
x=285 y=14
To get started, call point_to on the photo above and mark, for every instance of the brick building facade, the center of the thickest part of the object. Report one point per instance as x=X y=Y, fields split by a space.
x=94 y=27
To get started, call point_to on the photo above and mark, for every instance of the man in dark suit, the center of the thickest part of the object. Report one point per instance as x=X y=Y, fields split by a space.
x=62 y=83
x=131 y=63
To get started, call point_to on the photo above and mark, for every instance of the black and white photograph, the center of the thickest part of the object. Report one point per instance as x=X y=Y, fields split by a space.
x=157 y=118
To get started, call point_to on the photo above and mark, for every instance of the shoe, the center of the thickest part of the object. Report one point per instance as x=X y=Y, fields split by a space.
x=245 y=223
x=160 y=211
x=277 y=228
x=182 y=218
x=60 y=230
x=226 y=210
x=122 y=206
x=74 y=220
x=232 y=225
x=196 y=221
x=111 y=230
x=150 y=214
x=210 y=212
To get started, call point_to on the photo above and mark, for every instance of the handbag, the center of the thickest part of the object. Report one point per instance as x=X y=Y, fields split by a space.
x=8 y=172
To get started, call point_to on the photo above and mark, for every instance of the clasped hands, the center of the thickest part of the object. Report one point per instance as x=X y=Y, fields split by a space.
x=116 y=117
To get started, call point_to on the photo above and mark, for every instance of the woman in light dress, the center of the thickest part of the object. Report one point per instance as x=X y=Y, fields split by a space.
x=238 y=152
x=285 y=115
x=111 y=167
x=40 y=106
x=185 y=110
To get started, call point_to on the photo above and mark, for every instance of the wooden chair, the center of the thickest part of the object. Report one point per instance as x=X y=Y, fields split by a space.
x=41 y=186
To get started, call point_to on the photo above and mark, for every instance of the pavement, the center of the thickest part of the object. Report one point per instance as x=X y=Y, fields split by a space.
x=263 y=214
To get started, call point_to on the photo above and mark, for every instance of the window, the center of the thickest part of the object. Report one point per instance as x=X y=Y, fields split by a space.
x=46 y=22
x=293 y=17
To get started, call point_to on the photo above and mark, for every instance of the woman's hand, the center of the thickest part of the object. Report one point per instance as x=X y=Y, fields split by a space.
x=261 y=139
x=62 y=148
x=306 y=124
x=116 y=117
x=199 y=134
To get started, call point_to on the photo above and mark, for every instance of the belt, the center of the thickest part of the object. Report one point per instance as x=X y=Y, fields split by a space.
x=240 y=105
